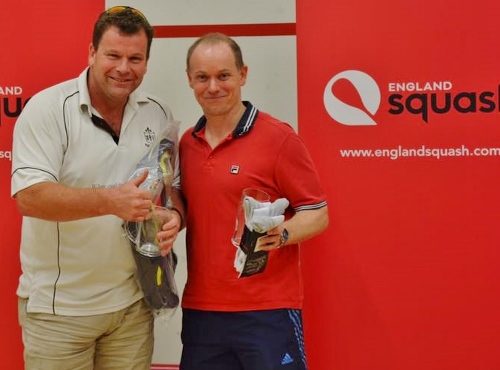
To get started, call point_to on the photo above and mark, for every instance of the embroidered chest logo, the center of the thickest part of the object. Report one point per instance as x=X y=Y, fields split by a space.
x=235 y=169
x=149 y=137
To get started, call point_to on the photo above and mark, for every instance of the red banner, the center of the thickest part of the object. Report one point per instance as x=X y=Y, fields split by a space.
x=43 y=43
x=400 y=106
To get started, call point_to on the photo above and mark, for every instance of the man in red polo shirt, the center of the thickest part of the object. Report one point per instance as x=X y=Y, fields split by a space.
x=230 y=322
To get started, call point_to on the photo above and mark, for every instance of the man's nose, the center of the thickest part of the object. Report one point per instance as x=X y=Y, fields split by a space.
x=123 y=65
x=213 y=84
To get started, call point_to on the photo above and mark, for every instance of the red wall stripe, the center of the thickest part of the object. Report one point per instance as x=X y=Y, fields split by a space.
x=257 y=29
x=164 y=367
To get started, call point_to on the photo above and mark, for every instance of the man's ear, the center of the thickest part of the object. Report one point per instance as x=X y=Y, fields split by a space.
x=91 y=57
x=243 y=75
x=189 y=79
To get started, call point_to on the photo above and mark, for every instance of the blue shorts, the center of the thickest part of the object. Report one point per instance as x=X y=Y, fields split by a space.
x=263 y=340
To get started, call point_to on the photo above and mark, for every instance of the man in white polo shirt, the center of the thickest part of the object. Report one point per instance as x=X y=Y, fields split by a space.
x=75 y=147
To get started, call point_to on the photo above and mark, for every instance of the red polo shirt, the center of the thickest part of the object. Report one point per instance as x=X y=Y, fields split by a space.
x=263 y=153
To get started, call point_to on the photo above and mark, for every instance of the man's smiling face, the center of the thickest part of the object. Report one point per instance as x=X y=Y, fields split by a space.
x=118 y=65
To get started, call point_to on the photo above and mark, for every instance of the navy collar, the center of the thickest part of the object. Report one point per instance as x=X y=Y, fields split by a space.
x=244 y=126
x=103 y=125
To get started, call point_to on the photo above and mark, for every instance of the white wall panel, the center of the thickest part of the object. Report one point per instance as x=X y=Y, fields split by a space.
x=271 y=86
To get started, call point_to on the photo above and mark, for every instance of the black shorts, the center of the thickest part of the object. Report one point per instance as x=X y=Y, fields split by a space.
x=252 y=340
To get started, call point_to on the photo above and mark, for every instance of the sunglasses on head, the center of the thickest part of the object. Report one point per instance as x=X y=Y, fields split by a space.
x=121 y=8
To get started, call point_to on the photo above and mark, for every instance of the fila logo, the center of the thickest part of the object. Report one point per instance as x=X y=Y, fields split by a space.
x=235 y=169
x=346 y=114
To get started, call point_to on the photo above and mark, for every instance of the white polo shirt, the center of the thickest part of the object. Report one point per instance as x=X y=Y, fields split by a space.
x=82 y=267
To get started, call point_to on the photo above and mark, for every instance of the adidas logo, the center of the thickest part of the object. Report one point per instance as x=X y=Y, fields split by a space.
x=287 y=359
